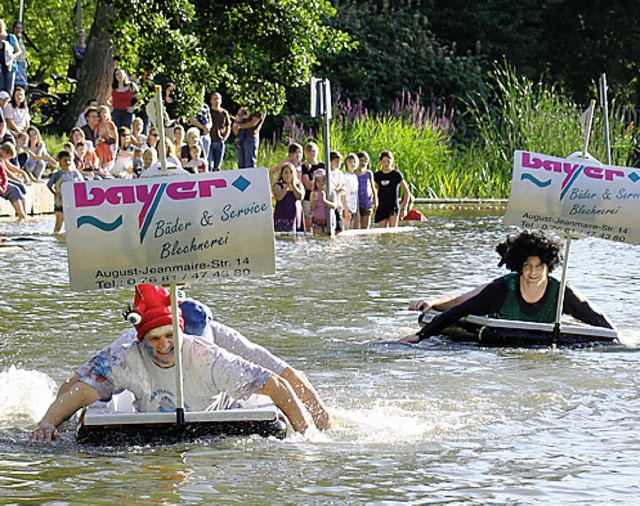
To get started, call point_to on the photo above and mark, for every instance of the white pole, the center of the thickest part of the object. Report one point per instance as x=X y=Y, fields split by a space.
x=326 y=109
x=21 y=14
x=162 y=155
x=563 y=284
x=177 y=352
x=587 y=132
x=604 y=103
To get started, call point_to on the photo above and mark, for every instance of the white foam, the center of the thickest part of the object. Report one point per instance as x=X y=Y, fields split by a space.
x=24 y=396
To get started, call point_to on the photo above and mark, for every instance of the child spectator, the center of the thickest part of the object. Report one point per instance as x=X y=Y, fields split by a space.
x=87 y=163
x=66 y=172
x=149 y=157
x=106 y=138
x=336 y=183
x=288 y=192
x=172 y=154
x=388 y=182
x=137 y=162
x=196 y=163
x=351 y=191
x=320 y=203
x=311 y=151
x=9 y=157
x=367 y=197
x=294 y=156
x=13 y=192
x=138 y=139
x=193 y=138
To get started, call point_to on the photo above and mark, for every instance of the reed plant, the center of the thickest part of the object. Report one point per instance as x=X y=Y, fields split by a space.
x=521 y=114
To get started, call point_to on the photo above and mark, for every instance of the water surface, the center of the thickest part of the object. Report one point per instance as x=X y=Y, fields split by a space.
x=434 y=423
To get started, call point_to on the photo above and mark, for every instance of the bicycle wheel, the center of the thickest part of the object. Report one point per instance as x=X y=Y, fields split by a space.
x=44 y=108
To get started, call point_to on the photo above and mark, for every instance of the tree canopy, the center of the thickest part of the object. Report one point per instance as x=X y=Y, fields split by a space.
x=260 y=51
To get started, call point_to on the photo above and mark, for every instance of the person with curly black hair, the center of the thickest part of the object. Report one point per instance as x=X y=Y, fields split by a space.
x=527 y=293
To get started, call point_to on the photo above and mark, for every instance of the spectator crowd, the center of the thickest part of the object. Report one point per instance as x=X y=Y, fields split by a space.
x=116 y=140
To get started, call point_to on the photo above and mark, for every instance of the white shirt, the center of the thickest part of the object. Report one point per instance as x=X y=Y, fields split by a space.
x=209 y=371
x=351 y=185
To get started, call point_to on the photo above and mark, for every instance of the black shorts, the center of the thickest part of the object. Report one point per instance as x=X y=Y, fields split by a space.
x=384 y=213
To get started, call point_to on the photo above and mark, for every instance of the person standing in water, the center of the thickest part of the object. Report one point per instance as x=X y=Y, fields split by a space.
x=388 y=183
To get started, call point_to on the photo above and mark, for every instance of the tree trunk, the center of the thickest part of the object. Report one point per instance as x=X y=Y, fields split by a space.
x=97 y=71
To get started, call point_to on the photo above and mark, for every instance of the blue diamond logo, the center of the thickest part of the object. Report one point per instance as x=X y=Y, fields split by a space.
x=634 y=177
x=242 y=183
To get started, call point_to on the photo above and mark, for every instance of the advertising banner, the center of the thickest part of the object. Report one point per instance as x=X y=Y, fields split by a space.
x=575 y=196
x=171 y=229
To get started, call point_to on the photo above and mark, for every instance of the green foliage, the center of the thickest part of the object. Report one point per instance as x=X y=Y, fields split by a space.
x=261 y=48
x=396 y=52
x=158 y=36
x=49 y=32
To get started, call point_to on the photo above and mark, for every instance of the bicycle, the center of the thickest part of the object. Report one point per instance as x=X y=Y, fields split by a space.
x=44 y=106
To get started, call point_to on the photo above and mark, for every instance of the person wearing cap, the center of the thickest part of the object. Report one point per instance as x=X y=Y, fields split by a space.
x=527 y=293
x=198 y=321
x=213 y=376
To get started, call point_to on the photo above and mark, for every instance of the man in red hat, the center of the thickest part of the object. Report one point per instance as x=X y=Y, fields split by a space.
x=198 y=321
x=213 y=376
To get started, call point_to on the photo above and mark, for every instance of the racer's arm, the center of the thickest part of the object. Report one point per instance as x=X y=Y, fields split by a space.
x=489 y=300
x=579 y=307
x=284 y=397
x=444 y=302
x=309 y=397
x=236 y=343
x=65 y=405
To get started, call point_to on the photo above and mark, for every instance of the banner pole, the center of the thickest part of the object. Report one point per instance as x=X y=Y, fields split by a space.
x=587 y=132
x=162 y=155
x=326 y=106
x=604 y=103
x=557 y=327
x=177 y=353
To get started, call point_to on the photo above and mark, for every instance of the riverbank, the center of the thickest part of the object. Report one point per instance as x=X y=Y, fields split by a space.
x=39 y=201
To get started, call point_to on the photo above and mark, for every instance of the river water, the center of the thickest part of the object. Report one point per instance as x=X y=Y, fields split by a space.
x=432 y=423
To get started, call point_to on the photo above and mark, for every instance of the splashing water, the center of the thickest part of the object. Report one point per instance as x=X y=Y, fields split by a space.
x=24 y=396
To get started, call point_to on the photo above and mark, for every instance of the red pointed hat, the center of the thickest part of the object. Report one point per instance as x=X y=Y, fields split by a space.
x=153 y=306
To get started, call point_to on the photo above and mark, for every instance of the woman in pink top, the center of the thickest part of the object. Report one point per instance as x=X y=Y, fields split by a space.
x=124 y=97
